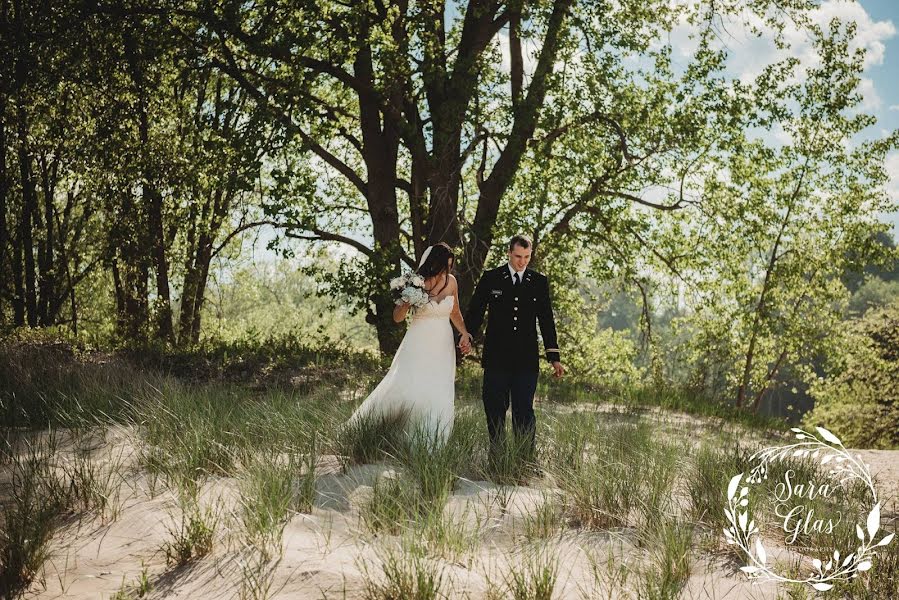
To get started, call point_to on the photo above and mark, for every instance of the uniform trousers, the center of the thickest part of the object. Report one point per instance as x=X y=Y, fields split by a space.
x=505 y=387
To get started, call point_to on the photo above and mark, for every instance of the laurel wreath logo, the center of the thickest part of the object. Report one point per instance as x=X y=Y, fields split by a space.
x=830 y=450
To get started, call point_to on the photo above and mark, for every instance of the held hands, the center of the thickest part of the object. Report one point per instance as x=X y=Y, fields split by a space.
x=465 y=343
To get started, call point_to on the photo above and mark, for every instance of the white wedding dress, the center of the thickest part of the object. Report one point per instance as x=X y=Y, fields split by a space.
x=422 y=376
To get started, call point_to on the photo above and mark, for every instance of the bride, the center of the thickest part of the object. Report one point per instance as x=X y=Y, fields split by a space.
x=421 y=378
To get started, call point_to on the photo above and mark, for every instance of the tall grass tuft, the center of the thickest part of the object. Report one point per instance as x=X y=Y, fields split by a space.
x=669 y=546
x=658 y=470
x=190 y=433
x=602 y=489
x=257 y=574
x=534 y=578
x=395 y=502
x=38 y=502
x=447 y=536
x=545 y=521
x=308 y=462
x=95 y=484
x=267 y=498
x=193 y=535
x=512 y=462
x=711 y=469
x=406 y=574
x=431 y=464
x=369 y=439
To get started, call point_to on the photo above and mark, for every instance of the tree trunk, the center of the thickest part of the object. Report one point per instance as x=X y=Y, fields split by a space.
x=195 y=291
x=29 y=205
x=18 y=277
x=443 y=224
x=185 y=313
x=164 y=328
x=130 y=276
x=200 y=295
x=761 y=307
x=151 y=195
x=380 y=151
x=526 y=111
x=119 y=292
x=47 y=284
x=4 y=186
x=131 y=269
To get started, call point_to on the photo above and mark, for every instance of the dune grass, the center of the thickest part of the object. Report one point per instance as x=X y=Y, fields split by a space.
x=598 y=473
x=404 y=572
x=37 y=504
x=534 y=577
x=192 y=533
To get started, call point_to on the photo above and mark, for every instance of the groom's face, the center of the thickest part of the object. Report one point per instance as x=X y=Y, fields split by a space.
x=519 y=257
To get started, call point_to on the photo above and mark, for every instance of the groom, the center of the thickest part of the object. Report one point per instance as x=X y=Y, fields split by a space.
x=518 y=298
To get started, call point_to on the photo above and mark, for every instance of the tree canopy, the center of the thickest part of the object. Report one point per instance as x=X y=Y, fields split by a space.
x=137 y=149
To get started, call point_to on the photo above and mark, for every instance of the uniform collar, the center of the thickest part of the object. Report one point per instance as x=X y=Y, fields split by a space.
x=512 y=271
x=509 y=271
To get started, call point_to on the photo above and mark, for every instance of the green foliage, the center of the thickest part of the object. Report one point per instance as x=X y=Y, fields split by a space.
x=859 y=402
x=779 y=225
x=872 y=292
x=275 y=300
x=591 y=351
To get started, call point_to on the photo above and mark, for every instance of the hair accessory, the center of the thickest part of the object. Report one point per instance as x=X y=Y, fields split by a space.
x=424 y=256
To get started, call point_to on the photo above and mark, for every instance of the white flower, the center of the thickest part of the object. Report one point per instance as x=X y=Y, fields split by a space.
x=414 y=296
x=397 y=283
x=417 y=280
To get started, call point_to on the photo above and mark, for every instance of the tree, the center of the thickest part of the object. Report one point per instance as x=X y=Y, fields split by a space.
x=859 y=401
x=129 y=153
x=780 y=225
x=44 y=245
x=405 y=101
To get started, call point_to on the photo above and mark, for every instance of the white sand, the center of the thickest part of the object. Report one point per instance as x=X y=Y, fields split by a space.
x=325 y=553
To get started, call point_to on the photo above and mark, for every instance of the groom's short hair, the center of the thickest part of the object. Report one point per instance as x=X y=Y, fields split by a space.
x=519 y=240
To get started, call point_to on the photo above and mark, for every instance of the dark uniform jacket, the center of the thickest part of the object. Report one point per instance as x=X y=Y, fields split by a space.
x=512 y=316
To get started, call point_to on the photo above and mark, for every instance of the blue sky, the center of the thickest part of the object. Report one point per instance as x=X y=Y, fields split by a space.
x=877 y=31
x=886 y=75
x=885 y=78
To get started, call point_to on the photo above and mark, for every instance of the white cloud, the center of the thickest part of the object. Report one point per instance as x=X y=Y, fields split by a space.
x=870 y=34
x=870 y=98
x=749 y=53
x=892 y=166
x=894 y=107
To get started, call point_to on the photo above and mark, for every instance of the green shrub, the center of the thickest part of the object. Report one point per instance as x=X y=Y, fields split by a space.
x=860 y=402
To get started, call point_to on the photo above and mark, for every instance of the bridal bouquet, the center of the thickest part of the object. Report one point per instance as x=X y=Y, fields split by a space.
x=409 y=288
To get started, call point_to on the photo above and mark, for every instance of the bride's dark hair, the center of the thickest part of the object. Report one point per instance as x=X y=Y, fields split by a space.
x=437 y=262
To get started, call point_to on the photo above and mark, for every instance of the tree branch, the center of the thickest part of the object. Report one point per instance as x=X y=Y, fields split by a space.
x=240 y=228
x=626 y=196
x=320 y=235
x=232 y=68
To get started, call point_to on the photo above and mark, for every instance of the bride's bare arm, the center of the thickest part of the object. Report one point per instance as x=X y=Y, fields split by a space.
x=400 y=311
x=456 y=313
